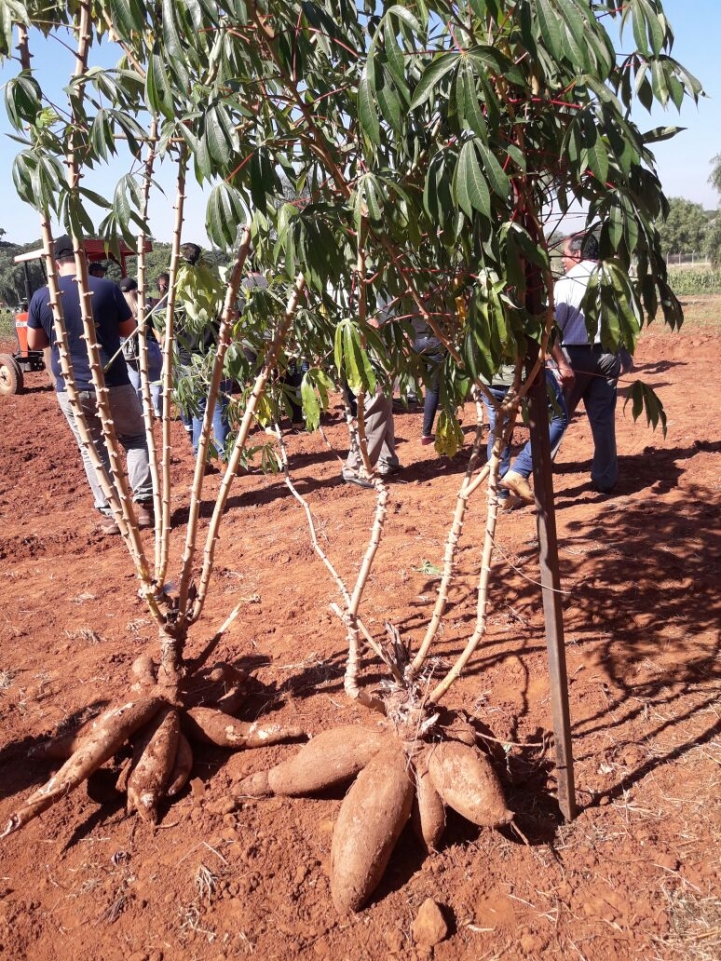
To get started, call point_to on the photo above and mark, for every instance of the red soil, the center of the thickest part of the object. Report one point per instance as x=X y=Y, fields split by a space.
x=636 y=875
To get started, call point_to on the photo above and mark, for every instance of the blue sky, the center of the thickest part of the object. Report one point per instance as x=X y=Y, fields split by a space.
x=684 y=163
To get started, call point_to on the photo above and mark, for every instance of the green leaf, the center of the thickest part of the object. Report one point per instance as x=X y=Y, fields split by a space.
x=643 y=398
x=432 y=75
x=470 y=186
x=389 y=100
x=661 y=133
x=158 y=90
x=224 y=214
x=351 y=360
x=496 y=176
x=127 y=17
x=23 y=98
x=551 y=28
x=219 y=145
x=366 y=107
x=471 y=107
x=314 y=392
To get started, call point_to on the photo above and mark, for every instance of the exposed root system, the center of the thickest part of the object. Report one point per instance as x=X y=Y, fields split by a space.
x=160 y=722
x=394 y=777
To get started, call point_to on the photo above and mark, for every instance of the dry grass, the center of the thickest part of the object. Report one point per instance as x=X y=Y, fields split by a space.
x=6 y=680
x=85 y=634
x=700 y=310
x=695 y=923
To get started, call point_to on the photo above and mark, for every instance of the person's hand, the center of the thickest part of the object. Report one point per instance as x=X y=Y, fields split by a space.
x=373 y=322
x=566 y=374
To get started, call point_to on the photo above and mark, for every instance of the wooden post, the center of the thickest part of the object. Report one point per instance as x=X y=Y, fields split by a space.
x=550 y=588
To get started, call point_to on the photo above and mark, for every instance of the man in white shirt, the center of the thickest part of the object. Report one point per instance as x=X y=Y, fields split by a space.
x=596 y=369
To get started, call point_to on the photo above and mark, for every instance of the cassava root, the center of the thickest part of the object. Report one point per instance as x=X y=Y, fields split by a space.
x=395 y=780
x=158 y=721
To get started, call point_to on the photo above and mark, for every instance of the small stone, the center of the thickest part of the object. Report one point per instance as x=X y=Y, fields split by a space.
x=429 y=927
x=225 y=805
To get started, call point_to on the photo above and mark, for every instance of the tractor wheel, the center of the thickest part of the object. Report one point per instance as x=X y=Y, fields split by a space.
x=11 y=376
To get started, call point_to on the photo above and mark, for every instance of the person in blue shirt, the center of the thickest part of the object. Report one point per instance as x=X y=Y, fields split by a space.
x=113 y=320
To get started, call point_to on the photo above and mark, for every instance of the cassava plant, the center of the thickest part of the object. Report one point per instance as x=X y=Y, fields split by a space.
x=174 y=699
x=428 y=147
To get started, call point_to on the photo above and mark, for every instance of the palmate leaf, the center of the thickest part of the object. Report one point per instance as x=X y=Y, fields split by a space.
x=551 y=28
x=611 y=305
x=22 y=100
x=314 y=393
x=644 y=398
x=127 y=16
x=449 y=435
x=158 y=89
x=471 y=111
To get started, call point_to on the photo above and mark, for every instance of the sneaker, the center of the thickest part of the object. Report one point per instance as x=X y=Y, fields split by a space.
x=428 y=439
x=509 y=503
x=517 y=484
x=107 y=524
x=144 y=514
x=360 y=480
x=388 y=470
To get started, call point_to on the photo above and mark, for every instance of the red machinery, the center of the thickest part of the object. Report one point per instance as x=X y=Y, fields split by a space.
x=13 y=365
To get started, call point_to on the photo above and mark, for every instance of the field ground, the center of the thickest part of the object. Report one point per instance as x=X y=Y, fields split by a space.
x=636 y=876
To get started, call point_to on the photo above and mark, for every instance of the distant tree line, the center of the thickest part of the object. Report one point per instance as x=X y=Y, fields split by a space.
x=690 y=229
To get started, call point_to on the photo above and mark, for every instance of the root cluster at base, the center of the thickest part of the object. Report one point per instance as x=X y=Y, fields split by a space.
x=394 y=781
x=160 y=725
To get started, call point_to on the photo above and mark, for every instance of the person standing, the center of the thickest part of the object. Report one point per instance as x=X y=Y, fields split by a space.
x=379 y=430
x=129 y=288
x=113 y=320
x=596 y=369
x=513 y=481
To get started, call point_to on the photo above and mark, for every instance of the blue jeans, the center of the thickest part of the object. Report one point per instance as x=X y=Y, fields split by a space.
x=220 y=418
x=433 y=364
x=155 y=370
x=558 y=422
x=597 y=373
x=130 y=430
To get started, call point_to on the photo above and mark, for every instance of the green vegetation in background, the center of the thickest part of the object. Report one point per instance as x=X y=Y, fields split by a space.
x=685 y=281
x=7 y=327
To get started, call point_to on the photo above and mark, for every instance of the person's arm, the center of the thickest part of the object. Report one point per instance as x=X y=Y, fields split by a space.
x=565 y=371
x=127 y=321
x=37 y=338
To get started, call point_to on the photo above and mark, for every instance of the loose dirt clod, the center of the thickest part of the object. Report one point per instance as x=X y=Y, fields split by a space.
x=429 y=926
x=371 y=818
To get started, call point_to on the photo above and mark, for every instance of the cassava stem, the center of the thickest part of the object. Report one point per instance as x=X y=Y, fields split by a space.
x=239 y=445
x=231 y=293
x=505 y=419
x=468 y=487
x=162 y=530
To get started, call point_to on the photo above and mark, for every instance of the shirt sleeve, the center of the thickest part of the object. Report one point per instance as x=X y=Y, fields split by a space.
x=34 y=320
x=124 y=311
